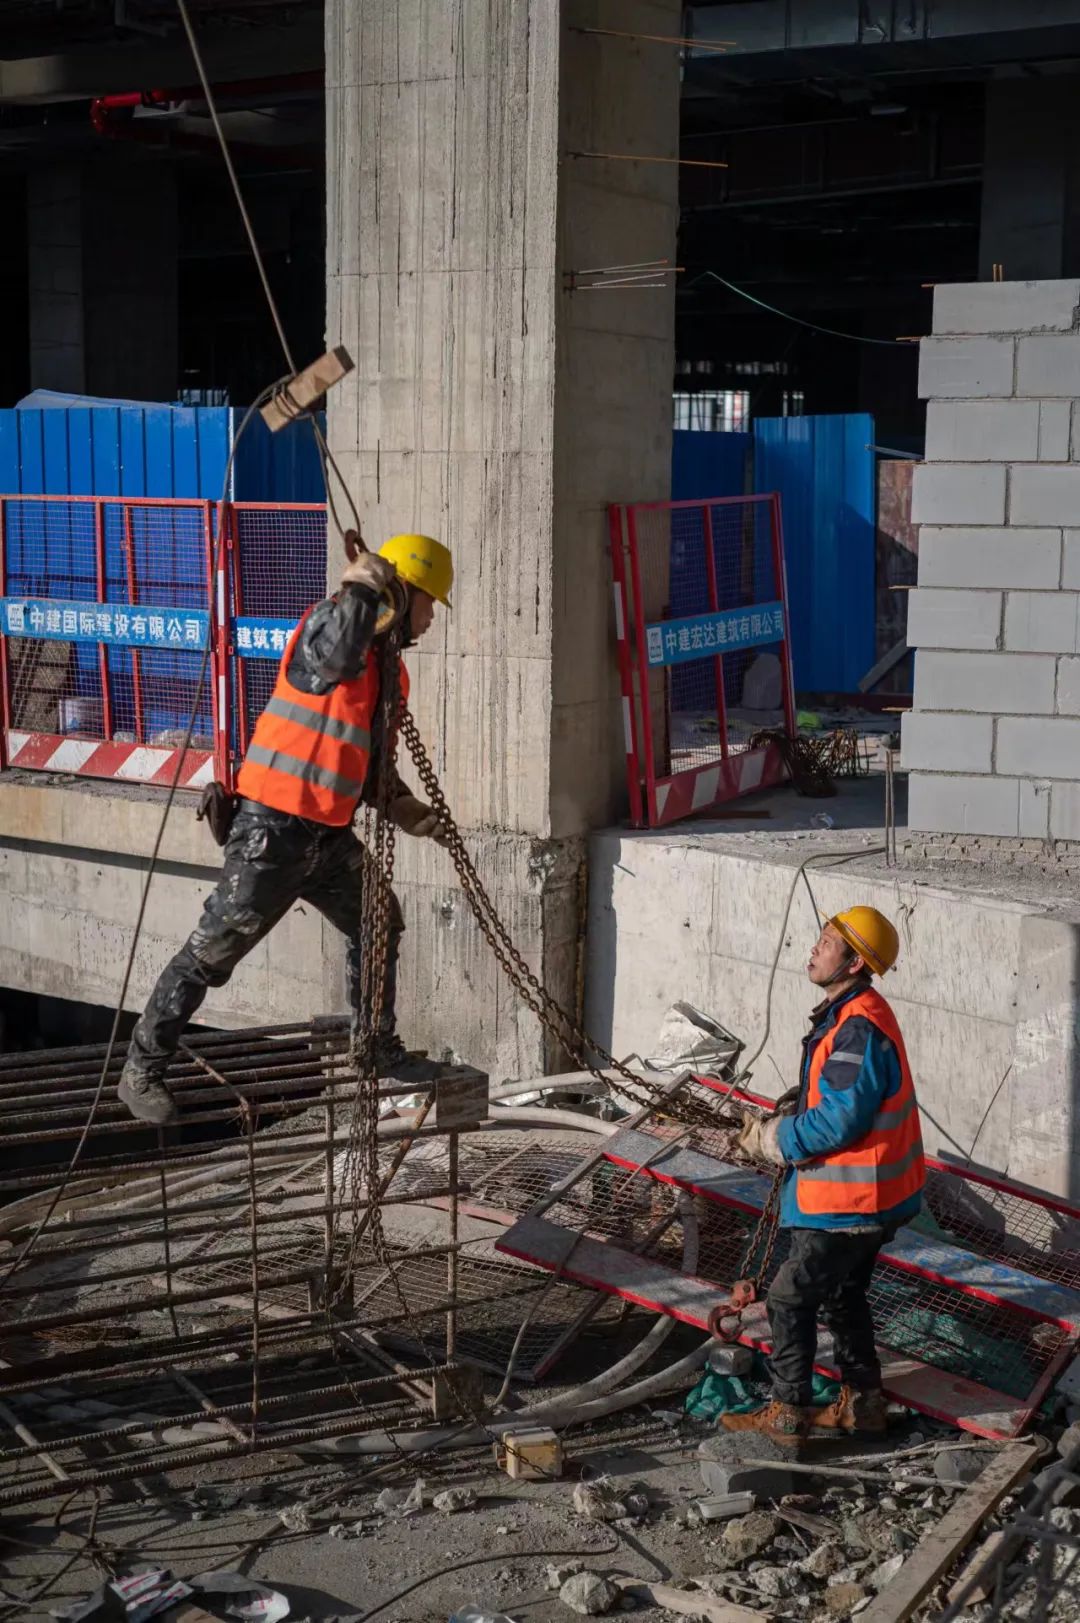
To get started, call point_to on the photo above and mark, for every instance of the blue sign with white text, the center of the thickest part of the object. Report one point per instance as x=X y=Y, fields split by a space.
x=125 y=625
x=673 y=642
x=257 y=638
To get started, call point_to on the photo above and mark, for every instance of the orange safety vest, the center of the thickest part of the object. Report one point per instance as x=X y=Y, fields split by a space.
x=886 y=1166
x=309 y=752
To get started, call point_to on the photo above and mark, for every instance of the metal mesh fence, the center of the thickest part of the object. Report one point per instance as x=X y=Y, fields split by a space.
x=278 y=573
x=102 y=587
x=702 y=629
x=108 y=606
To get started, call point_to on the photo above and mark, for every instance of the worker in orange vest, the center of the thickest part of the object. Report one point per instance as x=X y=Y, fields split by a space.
x=850 y=1141
x=309 y=766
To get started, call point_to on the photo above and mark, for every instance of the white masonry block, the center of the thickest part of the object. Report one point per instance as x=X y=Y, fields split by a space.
x=1065 y=811
x=935 y=743
x=959 y=493
x=1055 y=430
x=1048 y=366
x=940 y=804
x=1068 y=690
x=1042 y=623
x=965 y=368
x=1037 y=747
x=989 y=684
x=1070 y=566
x=984 y=431
x=963 y=555
x=984 y=307
x=1034 y=808
x=1044 y=495
x=953 y=619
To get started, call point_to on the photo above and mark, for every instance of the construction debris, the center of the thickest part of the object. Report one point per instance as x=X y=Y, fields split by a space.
x=589 y=1594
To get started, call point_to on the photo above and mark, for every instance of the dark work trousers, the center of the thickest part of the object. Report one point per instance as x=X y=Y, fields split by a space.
x=825 y=1276
x=272 y=861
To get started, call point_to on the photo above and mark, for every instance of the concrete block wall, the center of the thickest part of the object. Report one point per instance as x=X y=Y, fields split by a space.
x=993 y=741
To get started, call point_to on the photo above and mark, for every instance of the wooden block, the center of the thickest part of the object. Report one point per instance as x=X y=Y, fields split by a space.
x=530 y=1455
x=307 y=388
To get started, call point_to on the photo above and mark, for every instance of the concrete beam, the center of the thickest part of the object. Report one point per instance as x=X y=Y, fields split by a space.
x=249 y=53
x=989 y=29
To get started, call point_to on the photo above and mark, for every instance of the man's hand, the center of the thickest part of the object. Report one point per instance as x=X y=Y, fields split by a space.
x=368 y=569
x=413 y=817
x=758 y=1139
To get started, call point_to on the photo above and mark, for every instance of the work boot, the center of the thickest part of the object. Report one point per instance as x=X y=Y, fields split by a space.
x=396 y=1063
x=146 y=1097
x=854 y=1410
x=783 y=1422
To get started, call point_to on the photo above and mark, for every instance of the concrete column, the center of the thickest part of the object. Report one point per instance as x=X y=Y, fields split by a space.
x=103 y=280
x=501 y=412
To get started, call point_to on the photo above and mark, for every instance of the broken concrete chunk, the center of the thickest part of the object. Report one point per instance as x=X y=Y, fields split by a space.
x=723 y=1467
x=883 y=1575
x=824 y=1562
x=959 y=1465
x=589 y=1594
x=453 y=1500
x=842 y=1599
x=396 y=1502
x=558 y=1575
x=751 y=1535
x=775 y=1583
x=599 y=1501
x=294 y=1518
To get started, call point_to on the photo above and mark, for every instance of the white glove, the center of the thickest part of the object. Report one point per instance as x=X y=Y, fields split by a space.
x=368 y=569
x=759 y=1139
x=413 y=817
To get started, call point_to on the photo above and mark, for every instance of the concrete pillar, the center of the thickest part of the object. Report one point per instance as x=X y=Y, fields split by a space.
x=103 y=280
x=1030 y=224
x=501 y=412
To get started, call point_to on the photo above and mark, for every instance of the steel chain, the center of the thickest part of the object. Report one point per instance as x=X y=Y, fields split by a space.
x=559 y=1024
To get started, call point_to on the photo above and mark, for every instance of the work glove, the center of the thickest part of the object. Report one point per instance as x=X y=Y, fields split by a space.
x=786 y=1105
x=368 y=569
x=759 y=1139
x=413 y=817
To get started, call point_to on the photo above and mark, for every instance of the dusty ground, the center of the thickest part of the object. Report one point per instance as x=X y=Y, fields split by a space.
x=422 y=1568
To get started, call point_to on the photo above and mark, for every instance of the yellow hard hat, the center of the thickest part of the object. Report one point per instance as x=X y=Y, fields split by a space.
x=423 y=562
x=870 y=934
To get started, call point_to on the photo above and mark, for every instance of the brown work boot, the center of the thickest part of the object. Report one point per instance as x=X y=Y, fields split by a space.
x=783 y=1422
x=853 y=1411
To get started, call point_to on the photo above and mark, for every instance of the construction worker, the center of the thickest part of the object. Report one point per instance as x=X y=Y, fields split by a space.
x=312 y=754
x=852 y=1148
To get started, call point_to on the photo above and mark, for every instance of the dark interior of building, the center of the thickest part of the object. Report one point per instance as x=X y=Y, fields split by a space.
x=866 y=159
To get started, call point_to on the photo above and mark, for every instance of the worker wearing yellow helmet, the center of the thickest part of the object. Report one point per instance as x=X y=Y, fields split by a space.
x=849 y=1140
x=313 y=759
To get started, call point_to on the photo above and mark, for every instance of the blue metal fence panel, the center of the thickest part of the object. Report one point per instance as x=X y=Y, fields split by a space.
x=118 y=449
x=705 y=464
x=823 y=468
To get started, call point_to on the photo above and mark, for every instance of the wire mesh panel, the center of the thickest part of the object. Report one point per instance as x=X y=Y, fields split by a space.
x=105 y=605
x=702 y=632
x=278 y=571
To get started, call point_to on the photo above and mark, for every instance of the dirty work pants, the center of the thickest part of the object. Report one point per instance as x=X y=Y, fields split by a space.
x=272 y=861
x=825 y=1277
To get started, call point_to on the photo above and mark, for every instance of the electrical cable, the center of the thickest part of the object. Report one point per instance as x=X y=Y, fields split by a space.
x=812 y=326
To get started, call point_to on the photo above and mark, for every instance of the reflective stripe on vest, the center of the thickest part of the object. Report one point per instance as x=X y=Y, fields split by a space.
x=309 y=752
x=886 y=1166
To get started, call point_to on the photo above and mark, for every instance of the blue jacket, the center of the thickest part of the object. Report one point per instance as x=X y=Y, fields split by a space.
x=862 y=1071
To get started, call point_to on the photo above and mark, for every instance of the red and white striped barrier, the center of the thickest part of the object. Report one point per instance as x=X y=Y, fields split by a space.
x=127 y=763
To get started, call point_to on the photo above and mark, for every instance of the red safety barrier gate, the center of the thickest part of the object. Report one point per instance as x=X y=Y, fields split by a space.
x=108 y=611
x=701 y=625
